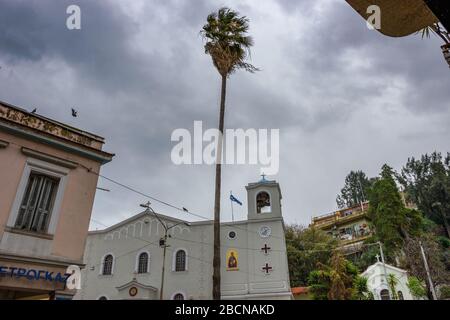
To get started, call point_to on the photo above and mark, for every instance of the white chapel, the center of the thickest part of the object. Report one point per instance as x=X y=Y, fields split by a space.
x=125 y=261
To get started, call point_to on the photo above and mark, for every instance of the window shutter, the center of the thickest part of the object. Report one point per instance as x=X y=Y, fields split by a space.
x=37 y=203
x=44 y=207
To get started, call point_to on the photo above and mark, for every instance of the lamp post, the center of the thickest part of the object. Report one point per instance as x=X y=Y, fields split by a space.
x=384 y=269
x=162 y=242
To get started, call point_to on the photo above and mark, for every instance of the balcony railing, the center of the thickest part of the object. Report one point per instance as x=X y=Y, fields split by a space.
x=343 y=215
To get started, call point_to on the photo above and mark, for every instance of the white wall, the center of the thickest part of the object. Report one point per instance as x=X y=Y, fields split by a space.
x=126 y=241
x=376 y=280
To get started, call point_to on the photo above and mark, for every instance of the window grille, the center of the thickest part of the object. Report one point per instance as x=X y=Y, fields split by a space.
x=143 y=263
x=180 y=260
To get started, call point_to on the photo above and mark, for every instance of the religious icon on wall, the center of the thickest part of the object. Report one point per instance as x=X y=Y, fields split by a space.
x=232 y=260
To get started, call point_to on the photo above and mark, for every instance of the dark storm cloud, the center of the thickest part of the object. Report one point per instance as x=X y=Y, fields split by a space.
x=34 y=30
x=137 y=70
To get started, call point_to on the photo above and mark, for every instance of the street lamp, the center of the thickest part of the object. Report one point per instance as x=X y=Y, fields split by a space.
x=162 y=241
x=392 y=294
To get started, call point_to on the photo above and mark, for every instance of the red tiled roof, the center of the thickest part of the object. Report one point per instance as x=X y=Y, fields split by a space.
x=299 y=290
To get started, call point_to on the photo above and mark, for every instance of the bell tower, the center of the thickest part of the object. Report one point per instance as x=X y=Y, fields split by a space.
x=264 y=199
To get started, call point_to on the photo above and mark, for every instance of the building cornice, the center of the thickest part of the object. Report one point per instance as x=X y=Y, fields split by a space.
x=190 y=224
x=90 y=153
x=51 y=261
x=39 y=122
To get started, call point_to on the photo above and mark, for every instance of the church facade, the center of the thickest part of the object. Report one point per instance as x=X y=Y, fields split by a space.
x=125 y=261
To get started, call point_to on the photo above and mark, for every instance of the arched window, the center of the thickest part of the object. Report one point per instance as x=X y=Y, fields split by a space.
x=143 y=263
x=400 y=295
x=180 y=260
x=263 y=202
x=178 y=296
x=108 y=265
x=103 y=298
x=384 y=294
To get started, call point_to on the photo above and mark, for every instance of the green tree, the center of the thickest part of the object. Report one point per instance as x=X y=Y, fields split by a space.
x=427 y=183
x=393 y=222
x=444 y=293
x=342 y=273
x=319 y=284
x=434 y=255
x=306 y=247
x=416 y=288
x=228 y=45
x=355 y=189
x=360 y=289
x=367 y=256
x=333 y=281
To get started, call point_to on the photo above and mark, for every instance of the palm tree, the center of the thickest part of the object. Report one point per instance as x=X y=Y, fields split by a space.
x=392 y=283
x=228 y=45
x=361 y=290
x=439 y=31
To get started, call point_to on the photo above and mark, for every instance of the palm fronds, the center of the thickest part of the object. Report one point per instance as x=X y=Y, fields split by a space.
x=227 y=41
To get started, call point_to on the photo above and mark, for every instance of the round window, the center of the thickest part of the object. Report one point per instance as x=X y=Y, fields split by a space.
x=232 y=235
x=133 y=291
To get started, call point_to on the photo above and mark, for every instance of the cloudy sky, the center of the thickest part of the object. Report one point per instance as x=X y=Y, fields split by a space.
x=343 y=97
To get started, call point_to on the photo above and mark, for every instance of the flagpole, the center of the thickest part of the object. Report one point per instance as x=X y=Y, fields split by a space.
x=232 y=213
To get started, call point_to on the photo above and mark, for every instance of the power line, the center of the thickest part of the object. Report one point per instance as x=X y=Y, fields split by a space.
x=135 y=191
x=129 y=252
x=182 y=209
x=241 y=248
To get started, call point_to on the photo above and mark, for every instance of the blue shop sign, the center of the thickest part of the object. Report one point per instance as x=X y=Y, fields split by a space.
x=33 y=274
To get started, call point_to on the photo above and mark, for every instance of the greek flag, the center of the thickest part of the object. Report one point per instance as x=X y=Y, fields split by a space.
x=232 y=198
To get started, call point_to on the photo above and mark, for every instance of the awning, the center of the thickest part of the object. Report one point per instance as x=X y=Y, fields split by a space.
x=399 y=18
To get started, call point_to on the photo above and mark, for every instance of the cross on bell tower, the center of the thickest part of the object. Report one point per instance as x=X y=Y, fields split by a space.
x=267 y=268
x=266 y=248
x=263 y=177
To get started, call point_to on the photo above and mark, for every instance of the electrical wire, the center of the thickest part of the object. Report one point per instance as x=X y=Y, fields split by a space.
x=182 y=209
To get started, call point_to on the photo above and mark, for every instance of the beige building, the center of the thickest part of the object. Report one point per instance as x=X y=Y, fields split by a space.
x=46 y=198
x=350 y=226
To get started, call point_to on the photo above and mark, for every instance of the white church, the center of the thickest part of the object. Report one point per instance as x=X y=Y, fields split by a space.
x=125 y=261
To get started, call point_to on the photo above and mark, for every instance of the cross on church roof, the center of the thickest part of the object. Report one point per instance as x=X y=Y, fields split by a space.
x=263 y=179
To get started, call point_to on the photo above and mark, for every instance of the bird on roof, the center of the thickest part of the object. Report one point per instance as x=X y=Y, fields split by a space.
x=34 y=110
x=185 y=210
x=74 y=113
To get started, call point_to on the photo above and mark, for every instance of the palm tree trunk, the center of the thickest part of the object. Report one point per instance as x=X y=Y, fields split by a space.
x=216 y=258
